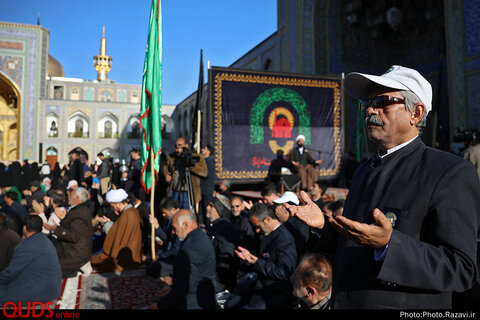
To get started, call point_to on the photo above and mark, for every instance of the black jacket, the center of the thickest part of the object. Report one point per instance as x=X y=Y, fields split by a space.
x=276 y=263
x=433 y=199
x=194 y=275
x=74 y=239
x=225 y=239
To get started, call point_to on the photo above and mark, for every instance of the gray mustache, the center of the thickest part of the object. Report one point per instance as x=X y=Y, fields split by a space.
x=371 y=119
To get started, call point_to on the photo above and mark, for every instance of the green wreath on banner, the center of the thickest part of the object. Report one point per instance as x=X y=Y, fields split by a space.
x=257 y=113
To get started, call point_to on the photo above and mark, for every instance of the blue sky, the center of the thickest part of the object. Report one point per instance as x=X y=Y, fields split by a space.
x=224 y=29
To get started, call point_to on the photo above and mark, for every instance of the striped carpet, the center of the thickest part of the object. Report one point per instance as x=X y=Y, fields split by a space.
x=132 y=289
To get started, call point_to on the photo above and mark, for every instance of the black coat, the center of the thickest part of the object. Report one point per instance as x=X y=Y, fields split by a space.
x=194 y=275
x=171 y=244
x=434 y=196
x=225 y=240
x=74 y=239
x=276 y=263
x=247 y=236
x=208 y=183
x=76 y=171
x=17 y=209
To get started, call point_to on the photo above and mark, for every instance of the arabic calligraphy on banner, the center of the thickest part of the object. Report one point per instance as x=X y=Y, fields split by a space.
x=258 y=114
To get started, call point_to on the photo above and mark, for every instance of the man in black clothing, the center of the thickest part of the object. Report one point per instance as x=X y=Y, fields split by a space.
x=74 y=169
x=194 y=269
x=317 y=191
x=241 y=222
x=169 y=243
x=34 y=192
x=274 y=265
x=225 y=239
x=408 y=242
x=133 y=183
x=207 y=183
x=14 y=207
x=8 y=240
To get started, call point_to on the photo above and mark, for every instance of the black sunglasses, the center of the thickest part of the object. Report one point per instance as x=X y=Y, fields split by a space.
x=380 y=102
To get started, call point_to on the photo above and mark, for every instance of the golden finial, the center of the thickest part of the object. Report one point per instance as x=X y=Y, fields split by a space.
x=102 y=62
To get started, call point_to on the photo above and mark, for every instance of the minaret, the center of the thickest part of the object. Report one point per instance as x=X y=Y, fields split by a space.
x=102 y=62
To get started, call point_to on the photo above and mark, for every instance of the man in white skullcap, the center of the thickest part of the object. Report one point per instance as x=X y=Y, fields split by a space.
x=122 y=248
x=304 y=164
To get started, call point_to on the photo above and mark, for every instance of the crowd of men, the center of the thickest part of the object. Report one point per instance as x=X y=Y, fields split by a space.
x=399 y=240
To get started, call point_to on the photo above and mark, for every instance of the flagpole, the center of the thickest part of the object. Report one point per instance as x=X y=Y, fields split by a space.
x=152 y=199
x=199 y=121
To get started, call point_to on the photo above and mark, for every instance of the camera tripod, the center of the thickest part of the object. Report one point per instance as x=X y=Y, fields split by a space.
x=188 y=182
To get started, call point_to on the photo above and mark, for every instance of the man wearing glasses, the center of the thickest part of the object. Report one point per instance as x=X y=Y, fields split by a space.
x=411 y=218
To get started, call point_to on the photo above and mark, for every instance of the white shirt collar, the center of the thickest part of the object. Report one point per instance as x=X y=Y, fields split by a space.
x=392 y=150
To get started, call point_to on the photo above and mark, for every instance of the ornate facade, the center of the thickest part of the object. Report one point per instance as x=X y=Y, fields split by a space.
x=44 y=115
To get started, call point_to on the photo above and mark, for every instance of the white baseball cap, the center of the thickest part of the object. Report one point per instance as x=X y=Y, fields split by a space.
x=288 y=196
x=359 y=85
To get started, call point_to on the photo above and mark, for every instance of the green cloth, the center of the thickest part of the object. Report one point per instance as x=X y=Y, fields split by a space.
x=150 y=109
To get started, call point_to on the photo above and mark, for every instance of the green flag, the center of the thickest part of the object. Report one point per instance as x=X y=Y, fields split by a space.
x=151 y=106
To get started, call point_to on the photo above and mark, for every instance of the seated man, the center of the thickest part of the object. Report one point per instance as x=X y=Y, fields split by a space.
x=317 y=191
x=225 y=239
x=12 y=205
x=241 y=222
x=122 y=248
x=312 y=282
x=269 y=194
x=299 y=230
x=274 y=265
x=9 y=239
x=169 y=243
x=304 y=163
x=34 y=192
x=34 y=273
x=194 y=270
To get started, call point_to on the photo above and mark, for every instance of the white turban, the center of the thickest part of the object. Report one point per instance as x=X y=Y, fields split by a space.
x=300 y=137
x=116 y=195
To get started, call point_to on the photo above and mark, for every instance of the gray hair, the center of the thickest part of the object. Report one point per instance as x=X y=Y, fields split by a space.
x=186 y=217
x=411 y=99
x=82 y=194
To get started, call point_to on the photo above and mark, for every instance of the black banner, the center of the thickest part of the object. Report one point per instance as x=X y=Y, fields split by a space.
x=255 y=114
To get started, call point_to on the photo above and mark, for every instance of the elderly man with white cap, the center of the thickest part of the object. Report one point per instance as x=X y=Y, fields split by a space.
x=304 y=164
x=122 y=248
x=411 y=217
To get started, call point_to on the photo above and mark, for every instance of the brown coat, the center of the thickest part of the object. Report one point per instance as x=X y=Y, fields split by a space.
x=198 y=170
x=122 y=247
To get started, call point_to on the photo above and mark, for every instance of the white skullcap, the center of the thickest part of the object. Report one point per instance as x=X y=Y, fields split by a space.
x=116 y=195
